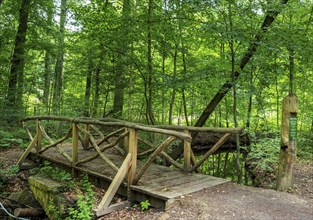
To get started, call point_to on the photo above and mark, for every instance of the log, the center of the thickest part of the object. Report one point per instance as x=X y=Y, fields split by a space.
x=28 y=212
x=210 y=152
x=205 y=141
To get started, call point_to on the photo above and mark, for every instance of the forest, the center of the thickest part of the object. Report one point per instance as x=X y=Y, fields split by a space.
x=198 y=63
x=220 y=64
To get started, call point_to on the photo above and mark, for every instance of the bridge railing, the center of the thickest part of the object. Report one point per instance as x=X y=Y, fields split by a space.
x=80 y=132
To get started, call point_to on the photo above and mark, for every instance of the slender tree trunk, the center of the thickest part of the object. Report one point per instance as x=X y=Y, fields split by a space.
x=88 y=88
x=130 y=90
x=250 y=101
x=150 y=66
x=291 y=70
x=163 y=86
x=277 y=96
x=16 y=76
x=47 y=79
x=48 y=66
x=58 y=81
x=170 y=115
x=184 y=81
x=107 y=92
x=97 y=86
x=232 y=50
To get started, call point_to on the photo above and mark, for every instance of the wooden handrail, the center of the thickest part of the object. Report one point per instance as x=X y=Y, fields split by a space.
x=179 y=135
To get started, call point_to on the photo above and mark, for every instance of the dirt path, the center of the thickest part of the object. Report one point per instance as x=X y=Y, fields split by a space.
x=227 y=201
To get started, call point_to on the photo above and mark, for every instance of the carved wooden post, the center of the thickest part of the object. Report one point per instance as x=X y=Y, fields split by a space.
x=74 y=147
x=132 y=147
x=86 y=138
x=39 y=135
x=288 y=143
x=186 y=154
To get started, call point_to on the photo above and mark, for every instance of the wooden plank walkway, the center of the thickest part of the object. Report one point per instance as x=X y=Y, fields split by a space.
x=160 y=184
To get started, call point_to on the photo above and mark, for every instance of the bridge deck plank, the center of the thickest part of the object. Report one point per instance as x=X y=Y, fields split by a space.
x=158 y=181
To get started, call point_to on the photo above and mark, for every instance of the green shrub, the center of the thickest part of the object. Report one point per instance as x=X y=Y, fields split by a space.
x=7 y=139
x=6 y=174
x=144 y=205
x=85 y=202
x=262 y=160
x=54 y=173
x=305 y=146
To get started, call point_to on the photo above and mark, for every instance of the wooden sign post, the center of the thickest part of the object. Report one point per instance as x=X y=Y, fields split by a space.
x=288 y=143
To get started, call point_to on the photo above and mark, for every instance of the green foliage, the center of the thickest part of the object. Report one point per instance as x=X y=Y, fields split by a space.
x=262 y=160
x=85 y=199
x=8 y=139
x=144 y=205
x=6 y=174
x=305 y=146
x=54 y=210
x=55 y=173
x=84 y=204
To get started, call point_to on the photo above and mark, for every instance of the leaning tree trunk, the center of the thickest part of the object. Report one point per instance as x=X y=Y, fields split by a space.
x=16 y=76
x=268 y=20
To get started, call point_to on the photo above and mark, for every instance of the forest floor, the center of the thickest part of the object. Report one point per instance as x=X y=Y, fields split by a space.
x=227 y=201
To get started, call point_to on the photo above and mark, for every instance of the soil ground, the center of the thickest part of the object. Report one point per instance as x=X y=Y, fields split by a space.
x=227 y=201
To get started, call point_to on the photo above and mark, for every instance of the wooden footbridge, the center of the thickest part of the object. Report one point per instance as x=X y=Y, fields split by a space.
x=109 y=151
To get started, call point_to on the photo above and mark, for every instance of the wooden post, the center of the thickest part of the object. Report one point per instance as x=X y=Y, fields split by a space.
x=74 y=147
x=132 y=147
x=187 y=150
x=86 y=138
x=288 y=143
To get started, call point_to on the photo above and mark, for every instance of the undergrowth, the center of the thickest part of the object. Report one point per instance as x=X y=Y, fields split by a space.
x=82 y=210
x=262 y=161
x=6 y=174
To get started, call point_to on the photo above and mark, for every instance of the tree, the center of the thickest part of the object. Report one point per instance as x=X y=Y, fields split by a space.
x=268 y=20
x=58 y=71
x=16 y=77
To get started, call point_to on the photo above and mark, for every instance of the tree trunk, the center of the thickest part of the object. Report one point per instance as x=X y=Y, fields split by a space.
x=58 y=81
x=150 y=67
x=87 y=89
x=97 y=87
x=16 y=76
x=163 y=86
x=170 y=115
x=232 y=51
x=268 y=20
x=122 y=60
x=249 y=102
x=47 y=79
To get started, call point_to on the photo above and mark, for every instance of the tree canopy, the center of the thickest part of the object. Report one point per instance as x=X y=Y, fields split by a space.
x=219 y=63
